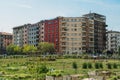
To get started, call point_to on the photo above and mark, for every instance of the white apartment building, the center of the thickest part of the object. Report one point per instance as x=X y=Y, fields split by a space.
x=113 y=40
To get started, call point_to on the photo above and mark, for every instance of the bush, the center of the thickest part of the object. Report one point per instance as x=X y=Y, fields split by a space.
x=97 y=65
x=89 y=65
x=74 y=65
x=101 y=65
x=42 y=69
x=109 y=66
x=55 y=73
x=115 y=66
x=84 y=65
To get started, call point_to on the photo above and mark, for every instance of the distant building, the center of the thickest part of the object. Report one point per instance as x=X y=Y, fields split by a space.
x=113 y=41
x=26 y=34
x=20 y=35
x=41 y=31
x=51 y=32
x=5 y=40
x=99 y=27
x=86 y=34
x=76 y=35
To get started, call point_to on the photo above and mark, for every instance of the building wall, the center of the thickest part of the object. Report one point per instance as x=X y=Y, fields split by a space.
x=5 y=40
x=20 y=35
x=113 y=40
x=33 y=34
x=26 y=34
x=99 y=31
x=51 y=32
x=68 y=34
x=75 y=35
x=41 y=31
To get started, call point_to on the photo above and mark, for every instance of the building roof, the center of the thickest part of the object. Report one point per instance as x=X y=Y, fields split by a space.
x=21 y=26
x=5 y=33
x=113 y=31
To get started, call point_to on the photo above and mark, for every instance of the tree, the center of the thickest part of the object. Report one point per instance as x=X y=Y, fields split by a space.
x=29 y=48
x=45 y=47
x=74 y=65
x=13 y=49
x=119 y=50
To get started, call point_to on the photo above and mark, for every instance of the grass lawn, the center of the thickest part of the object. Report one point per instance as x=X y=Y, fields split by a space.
x=25 y=68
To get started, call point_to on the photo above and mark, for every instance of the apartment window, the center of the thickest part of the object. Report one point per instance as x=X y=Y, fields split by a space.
x=67 y=24
x=75 y=20
x=83 y=29
x=83 y=38
x=71 y=19
x=79 y=48
x=75 y=25
x=91 y=39
x=67 y=19
x=72 y=29
x=79 y=19
x=83 y=24
x=75 y=29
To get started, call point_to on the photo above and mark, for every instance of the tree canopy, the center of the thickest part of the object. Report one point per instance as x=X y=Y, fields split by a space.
x=45 y=47
x=13 y=49
x=29 y=48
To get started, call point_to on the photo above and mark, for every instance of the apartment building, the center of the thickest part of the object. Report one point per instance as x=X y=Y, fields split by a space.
x=51 y=32
x=76 y=35
x=20 y=35
x=41 y=31
x=68 y=34
x=26 y=34
x=113 y=41
x=5 y=40
x=33 y=34
x=99 y=25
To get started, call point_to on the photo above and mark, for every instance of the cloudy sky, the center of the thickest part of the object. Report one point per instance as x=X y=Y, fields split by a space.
x=18 y=12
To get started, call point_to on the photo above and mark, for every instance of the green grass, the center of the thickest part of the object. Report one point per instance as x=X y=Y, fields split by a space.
x=25 y=68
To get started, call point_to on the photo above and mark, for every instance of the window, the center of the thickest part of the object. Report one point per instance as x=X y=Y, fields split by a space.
x=71 y=19
x=75 y=20
x=91 y=39
x=75 y=29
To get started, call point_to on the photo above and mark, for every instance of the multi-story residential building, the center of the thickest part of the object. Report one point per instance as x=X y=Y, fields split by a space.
x=41 y=31
x=26 y=34
x=33 y=34
x=99 y=25
x=76 y=35
x=5 y=40
x=51 y=32
x=20 y=35
x=113 y=41
x=68 y=34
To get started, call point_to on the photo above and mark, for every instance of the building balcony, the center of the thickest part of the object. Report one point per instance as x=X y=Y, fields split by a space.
x=63 y=31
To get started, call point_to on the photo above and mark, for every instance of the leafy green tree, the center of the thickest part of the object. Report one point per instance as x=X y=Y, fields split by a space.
x=29 y=49
x=74 y=65
x=119 y=50
x=13 y=49
x=45 y=47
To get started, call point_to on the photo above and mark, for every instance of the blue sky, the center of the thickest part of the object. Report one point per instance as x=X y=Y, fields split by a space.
x=18 y=12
